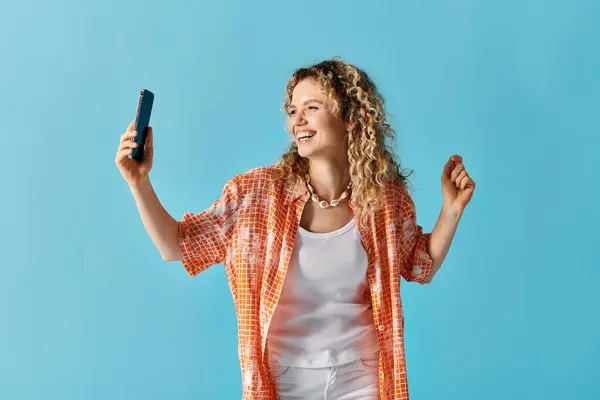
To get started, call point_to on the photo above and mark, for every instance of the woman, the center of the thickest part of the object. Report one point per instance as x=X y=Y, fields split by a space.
x=314 y=246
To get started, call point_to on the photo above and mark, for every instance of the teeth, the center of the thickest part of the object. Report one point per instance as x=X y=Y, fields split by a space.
x=305 y=135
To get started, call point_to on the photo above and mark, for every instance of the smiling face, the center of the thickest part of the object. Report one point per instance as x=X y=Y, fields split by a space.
x=317 y=130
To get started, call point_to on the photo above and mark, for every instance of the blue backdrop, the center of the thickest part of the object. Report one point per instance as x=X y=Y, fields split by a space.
x=88 y=309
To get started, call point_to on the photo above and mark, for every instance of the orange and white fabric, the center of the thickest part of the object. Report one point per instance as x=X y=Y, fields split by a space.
x=251 y=229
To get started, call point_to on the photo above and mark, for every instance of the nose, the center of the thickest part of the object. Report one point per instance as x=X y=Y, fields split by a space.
x=296 y=121
x=299 y=117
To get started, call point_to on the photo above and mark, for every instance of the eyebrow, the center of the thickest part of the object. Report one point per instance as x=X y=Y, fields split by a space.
x=307 y=101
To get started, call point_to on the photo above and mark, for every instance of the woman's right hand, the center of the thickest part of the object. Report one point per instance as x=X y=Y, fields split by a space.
x=133 y=171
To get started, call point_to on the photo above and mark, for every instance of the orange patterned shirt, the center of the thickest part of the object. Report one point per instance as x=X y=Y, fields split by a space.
x=251 y=229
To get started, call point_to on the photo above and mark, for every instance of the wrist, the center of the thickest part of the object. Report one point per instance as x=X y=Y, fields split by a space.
x=140 y=185
x=450 y=212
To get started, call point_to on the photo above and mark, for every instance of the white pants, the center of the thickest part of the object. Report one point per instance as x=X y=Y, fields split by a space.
x=352 y=381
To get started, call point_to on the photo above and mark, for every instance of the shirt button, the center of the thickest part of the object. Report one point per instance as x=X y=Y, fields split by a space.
x=375 y=288
x=381 y=328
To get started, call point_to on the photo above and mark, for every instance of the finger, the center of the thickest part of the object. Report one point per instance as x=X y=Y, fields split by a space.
x=131 y=125
x=122 y=155
x=456 y=158
x=448 y=168
x=128 y=135
x=470 y=183
x=460 y=177
x=467 y=181
x=128 y=144
x=464 y=182
x=125 y=152
x=456 y=172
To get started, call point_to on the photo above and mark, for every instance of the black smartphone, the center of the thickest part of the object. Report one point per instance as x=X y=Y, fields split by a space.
x=142 y=120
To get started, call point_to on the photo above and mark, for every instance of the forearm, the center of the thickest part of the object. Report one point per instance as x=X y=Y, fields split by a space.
x=442 y=235
x=161 y=227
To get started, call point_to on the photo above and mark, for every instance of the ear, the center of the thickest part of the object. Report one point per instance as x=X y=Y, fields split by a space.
x=346 y=126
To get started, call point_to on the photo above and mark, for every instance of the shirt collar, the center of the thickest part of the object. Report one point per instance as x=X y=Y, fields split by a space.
x=297 y=189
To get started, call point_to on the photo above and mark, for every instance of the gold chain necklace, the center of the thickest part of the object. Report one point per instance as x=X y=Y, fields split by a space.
x=322 y=203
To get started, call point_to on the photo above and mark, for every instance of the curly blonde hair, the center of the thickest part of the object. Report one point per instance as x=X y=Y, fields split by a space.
x=358 y=103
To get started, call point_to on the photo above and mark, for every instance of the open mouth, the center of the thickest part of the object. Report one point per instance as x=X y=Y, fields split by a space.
x=305 y=136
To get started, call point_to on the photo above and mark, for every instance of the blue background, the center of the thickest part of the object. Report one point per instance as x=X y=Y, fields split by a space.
x=88 y=309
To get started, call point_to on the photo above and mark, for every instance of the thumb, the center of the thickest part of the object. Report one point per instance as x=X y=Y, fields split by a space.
x=149 y=144
x=448 y=168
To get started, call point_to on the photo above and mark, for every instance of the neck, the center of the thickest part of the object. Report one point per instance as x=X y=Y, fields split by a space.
x=329 y=178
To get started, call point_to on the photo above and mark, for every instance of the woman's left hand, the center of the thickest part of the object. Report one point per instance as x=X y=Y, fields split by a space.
x=457 y=186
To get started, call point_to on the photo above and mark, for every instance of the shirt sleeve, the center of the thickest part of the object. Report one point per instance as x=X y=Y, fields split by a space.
x=204 y=237
x=417 y=265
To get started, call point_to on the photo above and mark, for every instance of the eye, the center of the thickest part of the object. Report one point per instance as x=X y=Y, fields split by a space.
x=313 y=108
x=291 y=112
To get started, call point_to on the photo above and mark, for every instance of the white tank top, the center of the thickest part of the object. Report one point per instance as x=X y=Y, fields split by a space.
x=322 y=318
